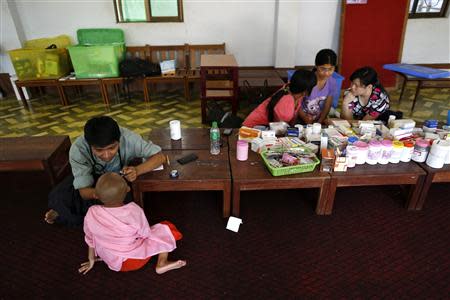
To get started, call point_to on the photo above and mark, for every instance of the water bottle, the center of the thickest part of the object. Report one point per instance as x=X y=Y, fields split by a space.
x=214 y=136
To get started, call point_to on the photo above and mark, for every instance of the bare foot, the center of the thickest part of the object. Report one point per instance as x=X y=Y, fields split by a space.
x=170 y=265
x=51 y=216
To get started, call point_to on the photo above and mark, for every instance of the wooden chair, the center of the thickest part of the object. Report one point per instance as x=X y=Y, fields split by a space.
x=194 y=54
x=158 y=54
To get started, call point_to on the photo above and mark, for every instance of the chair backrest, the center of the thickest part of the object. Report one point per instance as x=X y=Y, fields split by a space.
x=176 y=52
x=196 y=51
x=141 y=52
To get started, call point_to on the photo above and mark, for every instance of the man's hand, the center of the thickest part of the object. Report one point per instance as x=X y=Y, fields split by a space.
x=130 y=173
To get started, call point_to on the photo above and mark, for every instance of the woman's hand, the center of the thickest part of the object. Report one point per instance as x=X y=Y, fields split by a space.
x=348 y=98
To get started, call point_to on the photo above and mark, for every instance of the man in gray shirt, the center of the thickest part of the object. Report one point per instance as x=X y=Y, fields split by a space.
x=104 y=147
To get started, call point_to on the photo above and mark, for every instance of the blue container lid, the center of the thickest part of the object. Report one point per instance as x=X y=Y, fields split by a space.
x=352 y=139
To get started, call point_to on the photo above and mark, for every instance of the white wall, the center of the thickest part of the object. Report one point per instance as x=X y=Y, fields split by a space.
x=253 y=30
x=318 y=28
x=9 y=38
x=427 y=41
x=245 y=26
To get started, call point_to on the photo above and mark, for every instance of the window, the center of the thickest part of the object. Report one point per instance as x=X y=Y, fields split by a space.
x=427 y=8
x=128 y=11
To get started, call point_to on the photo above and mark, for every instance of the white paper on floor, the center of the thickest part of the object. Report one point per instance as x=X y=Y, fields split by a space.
x=234 y=223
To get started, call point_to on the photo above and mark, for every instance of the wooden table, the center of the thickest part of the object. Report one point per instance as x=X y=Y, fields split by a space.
x=219 y=79
x=209 y=172
x=367 y=175
x=433 y=175
x=422 y=83
x=191 y=139
x=46 y=153
x=252 y=174
x=39 y=83
x=82 y=82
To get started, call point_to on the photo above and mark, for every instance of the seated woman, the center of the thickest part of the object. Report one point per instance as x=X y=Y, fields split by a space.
x=285 y=104
x=316 y=107
x=366 y=99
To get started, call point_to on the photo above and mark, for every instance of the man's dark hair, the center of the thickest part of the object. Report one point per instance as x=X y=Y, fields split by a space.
x=101 y=131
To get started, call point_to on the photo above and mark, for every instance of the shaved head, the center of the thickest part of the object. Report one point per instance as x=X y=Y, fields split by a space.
x=111 y=189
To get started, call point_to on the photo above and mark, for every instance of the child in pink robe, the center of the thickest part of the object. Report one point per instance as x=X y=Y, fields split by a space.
x=119 y=234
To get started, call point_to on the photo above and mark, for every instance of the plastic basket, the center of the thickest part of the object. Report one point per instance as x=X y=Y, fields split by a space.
x=100 y=36
x=32 y=64
x=97 y=61
x=339 y=79
x=304 y=168
x=61 y=41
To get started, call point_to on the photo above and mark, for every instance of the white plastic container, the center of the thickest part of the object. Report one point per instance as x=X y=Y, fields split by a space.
x=386 y=146
x=397 y=149
x=438 y=154
x=374 y=152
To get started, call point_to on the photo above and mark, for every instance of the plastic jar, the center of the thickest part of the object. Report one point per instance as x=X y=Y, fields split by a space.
x=397 y=149
x=438 y=154
x=352 y=155
x=362 y=151
x=374 y=152
x=421 y=149
x=386 y=146
x=408 y=150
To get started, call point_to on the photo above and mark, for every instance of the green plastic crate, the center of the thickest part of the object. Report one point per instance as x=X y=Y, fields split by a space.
x=291 y=169
x=99 y=52
x=100 y=36
x=98 y=61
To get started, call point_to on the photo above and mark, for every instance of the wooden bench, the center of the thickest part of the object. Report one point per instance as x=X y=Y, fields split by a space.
x=162 y=53
x=45 y=153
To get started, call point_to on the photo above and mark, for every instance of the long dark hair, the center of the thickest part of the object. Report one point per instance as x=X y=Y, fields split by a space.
x=367 y=75
x=301 y=81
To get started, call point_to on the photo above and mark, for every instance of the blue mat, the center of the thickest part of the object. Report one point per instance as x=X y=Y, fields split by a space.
x=417 y=71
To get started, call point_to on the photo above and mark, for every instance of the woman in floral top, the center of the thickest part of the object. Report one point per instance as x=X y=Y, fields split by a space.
x=366 y=99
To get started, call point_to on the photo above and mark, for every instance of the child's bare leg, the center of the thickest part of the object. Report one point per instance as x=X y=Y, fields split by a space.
x=163 y=265
x=50 y=216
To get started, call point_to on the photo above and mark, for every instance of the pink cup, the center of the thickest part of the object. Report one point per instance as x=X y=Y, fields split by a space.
x=242 y=150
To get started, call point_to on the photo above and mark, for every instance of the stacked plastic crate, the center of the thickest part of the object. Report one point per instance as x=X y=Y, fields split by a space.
x=45 y=58
x=98 y=53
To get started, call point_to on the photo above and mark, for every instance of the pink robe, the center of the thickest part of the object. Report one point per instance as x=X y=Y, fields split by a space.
x=119 y=233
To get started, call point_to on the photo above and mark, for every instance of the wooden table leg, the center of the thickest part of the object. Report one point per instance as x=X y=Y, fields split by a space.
x=22 y=97
x=146 y=92
x=403 y=88
x=137 y=195
x=331 y=194
x=415 y=202
x=226 y=199
x=419 y=86
x=62 y=95
x=236 y=198
x=104 y=92
x=323 y=197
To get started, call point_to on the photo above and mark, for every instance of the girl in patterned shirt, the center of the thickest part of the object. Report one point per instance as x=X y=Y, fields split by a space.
x=366 y=99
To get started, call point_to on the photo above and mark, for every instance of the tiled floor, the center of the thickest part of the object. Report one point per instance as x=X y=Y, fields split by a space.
x=48 y=117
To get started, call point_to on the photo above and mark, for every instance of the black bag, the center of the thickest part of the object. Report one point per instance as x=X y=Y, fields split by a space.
x=223 y=119
x=136 y=67
x=384 y=117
